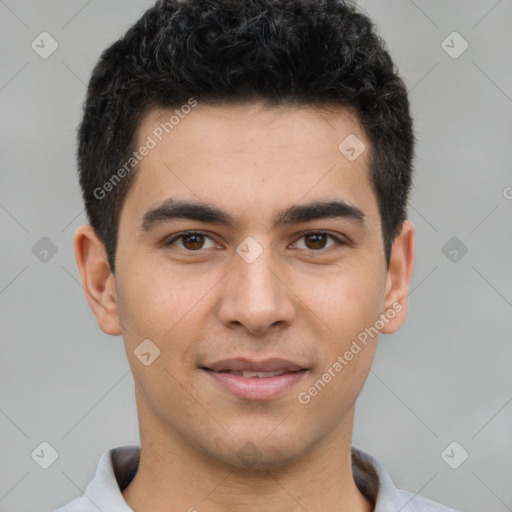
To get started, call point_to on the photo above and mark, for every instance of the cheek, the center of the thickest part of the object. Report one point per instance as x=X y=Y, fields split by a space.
x=345 y=311
x=344 y=303
x=350 y=306
x=154 y=300
x=151 y=308
x=166 y=309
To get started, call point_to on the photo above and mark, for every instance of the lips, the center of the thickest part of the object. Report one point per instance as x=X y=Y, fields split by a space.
x=246 y=365
x=260 y=375
x=256 y=380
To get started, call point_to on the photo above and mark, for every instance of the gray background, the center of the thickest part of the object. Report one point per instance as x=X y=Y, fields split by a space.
x=444 y=377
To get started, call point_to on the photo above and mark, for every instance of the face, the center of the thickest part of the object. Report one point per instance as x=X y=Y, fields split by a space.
x=276 y=266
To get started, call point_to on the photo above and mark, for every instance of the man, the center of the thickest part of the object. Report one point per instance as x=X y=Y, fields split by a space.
x=245 y=167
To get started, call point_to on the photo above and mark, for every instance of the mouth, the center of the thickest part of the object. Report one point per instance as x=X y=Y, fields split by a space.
x=252 y=380
x=250 y=375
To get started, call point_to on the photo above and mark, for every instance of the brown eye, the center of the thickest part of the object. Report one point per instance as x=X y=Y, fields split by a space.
x=191 y=241
x=315 y=241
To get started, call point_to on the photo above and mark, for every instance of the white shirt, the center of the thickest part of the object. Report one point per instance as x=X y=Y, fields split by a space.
x=118 y=466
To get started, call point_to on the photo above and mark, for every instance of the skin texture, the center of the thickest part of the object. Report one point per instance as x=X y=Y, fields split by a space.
x=300 y=300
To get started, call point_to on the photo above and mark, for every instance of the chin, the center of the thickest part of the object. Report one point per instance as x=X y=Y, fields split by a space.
x=254 y=453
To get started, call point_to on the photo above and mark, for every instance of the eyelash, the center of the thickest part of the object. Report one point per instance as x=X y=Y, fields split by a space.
x=202 y=233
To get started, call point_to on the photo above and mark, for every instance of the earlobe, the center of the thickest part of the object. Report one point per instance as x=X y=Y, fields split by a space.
x=97 y=279
x=400 y=270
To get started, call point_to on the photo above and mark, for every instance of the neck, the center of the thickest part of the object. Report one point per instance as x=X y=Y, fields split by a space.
x=173 y=476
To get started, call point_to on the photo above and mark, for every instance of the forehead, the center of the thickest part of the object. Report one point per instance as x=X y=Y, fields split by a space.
x=243 y=154
x=302 y=129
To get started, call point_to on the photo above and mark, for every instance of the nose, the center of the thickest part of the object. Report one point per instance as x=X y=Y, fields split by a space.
x=256 y=296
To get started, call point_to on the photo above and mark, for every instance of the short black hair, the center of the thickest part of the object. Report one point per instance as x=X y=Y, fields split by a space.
x=279 y=52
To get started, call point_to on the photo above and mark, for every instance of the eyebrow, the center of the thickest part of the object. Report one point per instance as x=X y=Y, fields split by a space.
x=171 y=209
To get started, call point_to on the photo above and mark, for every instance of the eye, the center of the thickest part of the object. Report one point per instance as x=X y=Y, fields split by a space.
x=191 y=240
x=194 y=241
x=316 y=240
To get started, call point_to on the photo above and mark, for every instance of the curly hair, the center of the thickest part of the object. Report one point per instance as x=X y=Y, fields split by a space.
x=293 y=52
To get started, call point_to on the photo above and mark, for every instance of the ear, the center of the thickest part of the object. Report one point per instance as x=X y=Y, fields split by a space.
x=401 y=265
x=97 y=279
